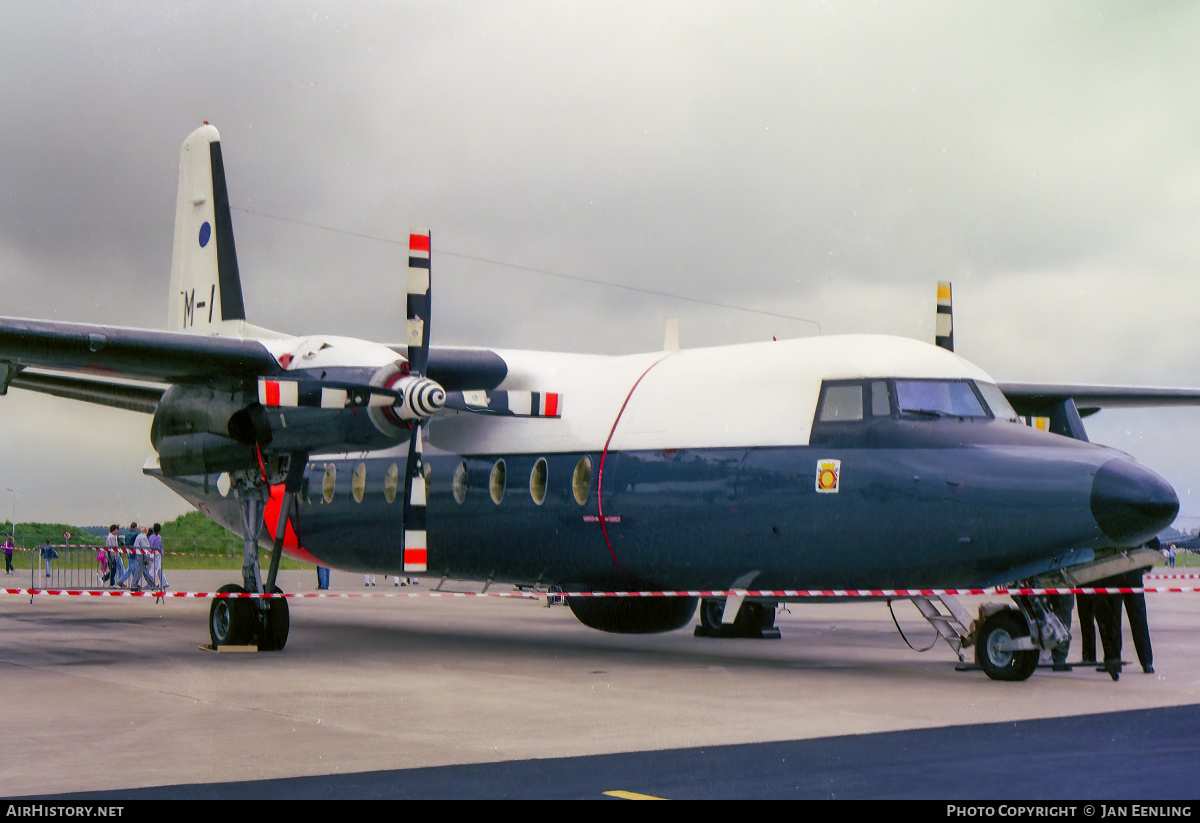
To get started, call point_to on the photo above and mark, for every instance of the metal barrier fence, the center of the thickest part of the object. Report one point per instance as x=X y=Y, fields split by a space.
x=72 y=567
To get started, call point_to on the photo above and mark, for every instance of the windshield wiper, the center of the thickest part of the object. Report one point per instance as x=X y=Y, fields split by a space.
x=927 y=412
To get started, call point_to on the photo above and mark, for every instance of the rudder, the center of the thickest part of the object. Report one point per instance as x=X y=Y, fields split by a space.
x=206 y=288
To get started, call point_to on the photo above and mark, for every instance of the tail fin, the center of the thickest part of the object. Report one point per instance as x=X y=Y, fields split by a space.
x=206 y=289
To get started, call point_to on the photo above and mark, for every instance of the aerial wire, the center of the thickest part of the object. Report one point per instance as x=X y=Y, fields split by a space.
x=547 y=272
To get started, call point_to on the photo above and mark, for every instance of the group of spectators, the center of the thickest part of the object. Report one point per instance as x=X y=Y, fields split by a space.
x=145 y=559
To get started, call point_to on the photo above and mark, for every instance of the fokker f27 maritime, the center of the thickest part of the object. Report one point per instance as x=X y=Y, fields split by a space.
x=848 y=462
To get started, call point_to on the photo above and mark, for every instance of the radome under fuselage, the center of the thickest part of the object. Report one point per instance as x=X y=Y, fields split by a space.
x=699 y=469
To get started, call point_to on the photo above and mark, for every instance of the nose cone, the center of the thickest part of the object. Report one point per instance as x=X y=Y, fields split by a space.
x=1131 y=504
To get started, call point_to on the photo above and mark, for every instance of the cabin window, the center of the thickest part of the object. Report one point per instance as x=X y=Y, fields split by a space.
x=841 y=402
x=459 y=483
x=328 y=481
x=391 y=482
x=358 y=482
x=537 y=481
x=581 y=480
x=496 y=482
x=952 y=398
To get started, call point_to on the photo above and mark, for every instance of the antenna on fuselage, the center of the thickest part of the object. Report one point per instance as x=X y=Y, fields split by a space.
x=671 y=338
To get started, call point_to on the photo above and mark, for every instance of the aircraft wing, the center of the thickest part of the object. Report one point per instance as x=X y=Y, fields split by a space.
x=112 y=353
x=1032 y=398
x=138 y=354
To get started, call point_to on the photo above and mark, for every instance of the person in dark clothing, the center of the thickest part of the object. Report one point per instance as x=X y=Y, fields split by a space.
x=1108 y=621
x=1135 y=605
x=1087 y=626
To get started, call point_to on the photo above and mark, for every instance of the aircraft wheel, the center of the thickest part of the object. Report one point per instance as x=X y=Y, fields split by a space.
x=710 y=614
x=229 y=620
x=752 y=619
x=1004 y=664
x=275 y=633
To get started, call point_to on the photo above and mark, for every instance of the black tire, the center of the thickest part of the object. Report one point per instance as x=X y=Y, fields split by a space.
x=1002 y=664
x=275 y=634
x=710 y=614
x=229 y=619
x=629 y=615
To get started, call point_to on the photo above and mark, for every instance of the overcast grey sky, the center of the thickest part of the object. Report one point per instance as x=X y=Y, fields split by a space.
x=820 y=160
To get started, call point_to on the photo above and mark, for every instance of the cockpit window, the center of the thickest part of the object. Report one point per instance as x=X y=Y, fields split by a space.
x=997 y=402
x=842 y=402
x=938 y=398
x=881 y=403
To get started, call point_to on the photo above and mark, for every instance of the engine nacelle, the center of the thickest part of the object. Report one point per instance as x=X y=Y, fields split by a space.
x=181 y=455
x=203 y=429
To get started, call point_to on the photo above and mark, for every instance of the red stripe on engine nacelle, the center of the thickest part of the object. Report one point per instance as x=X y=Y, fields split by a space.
x=272 y=393
x=552 y=404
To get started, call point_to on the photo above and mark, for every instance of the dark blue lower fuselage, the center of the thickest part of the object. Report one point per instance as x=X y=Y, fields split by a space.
x=917 y=504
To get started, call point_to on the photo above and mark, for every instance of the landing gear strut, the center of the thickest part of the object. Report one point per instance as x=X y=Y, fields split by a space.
x=257 y=621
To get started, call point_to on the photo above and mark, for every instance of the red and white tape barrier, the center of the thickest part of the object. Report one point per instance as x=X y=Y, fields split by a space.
x=523 y=595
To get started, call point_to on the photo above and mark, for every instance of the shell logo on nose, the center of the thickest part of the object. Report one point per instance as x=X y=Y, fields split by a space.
x=828 y=475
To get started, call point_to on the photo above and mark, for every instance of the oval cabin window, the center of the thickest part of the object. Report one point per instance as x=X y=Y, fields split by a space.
x=328 y=481
x=496 y=482
x=581 y=480
x=537 y=481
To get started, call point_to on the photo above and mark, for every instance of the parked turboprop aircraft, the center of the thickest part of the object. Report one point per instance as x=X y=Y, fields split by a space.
x=828 y=462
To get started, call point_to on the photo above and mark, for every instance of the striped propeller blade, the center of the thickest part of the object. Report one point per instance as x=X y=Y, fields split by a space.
x=419 y=305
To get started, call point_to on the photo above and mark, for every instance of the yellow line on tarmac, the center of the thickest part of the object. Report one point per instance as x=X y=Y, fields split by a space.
x=633 y=796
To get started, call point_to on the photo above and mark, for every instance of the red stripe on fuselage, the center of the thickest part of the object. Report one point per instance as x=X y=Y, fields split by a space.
x=604 y=454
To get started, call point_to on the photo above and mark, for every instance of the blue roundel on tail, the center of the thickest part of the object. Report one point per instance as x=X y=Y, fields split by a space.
x=205 y=233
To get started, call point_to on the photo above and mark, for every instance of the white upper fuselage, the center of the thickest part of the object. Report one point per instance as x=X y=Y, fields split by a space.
x=755 y=394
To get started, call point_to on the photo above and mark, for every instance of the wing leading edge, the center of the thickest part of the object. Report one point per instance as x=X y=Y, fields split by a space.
x=1035 y=398
x=111 y=353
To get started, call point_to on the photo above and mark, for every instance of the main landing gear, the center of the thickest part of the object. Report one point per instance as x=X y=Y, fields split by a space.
x=256 y=621
x=237 y=621
x=745 y=619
